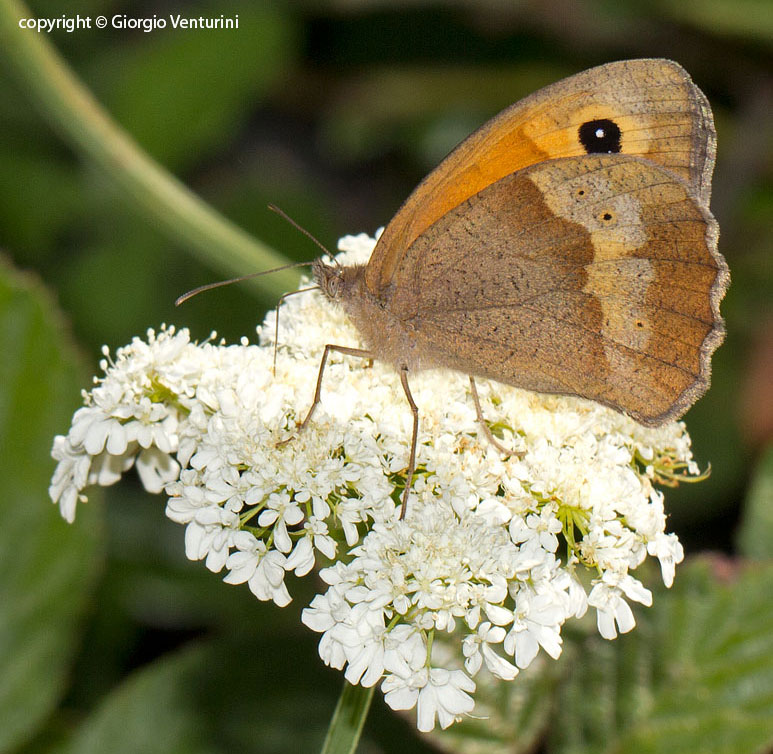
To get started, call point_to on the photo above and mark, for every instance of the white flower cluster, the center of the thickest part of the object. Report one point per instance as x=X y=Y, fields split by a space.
x=500 y=551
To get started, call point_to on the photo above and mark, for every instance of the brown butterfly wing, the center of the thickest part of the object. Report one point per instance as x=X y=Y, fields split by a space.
x=595 y=276
x=649 y=108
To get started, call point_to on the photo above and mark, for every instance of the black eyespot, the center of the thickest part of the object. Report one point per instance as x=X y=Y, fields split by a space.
x=606 y=216
x=581 y=192
x=639 y=324
x=600 y=136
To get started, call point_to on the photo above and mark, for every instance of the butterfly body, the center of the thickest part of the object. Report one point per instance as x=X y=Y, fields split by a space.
x=388 y=334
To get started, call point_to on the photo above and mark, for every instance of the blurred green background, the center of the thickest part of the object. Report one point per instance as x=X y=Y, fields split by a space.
x=333 y=111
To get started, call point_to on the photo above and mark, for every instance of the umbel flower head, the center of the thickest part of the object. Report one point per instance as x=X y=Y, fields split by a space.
x=495 y=552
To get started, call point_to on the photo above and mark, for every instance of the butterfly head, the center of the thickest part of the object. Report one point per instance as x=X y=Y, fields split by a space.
x=336 y=281
x=329 y=278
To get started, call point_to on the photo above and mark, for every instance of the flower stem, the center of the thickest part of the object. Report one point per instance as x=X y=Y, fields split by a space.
x=348 y=719
x=46 y=78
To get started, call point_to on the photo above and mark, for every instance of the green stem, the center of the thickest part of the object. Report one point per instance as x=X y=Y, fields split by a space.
x=70 y=106
x=348 y=719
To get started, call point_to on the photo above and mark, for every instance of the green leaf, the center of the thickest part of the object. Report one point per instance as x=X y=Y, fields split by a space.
x=695 y=675
x=46 y=566
x=755 y=535
x=239 y=694
x=153 y=712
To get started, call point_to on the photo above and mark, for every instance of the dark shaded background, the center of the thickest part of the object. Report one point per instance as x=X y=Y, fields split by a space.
x=335 y=111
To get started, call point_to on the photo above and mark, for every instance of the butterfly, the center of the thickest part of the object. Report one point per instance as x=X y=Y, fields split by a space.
x=566 y=246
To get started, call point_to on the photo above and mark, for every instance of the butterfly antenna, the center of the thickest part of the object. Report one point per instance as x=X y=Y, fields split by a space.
x=221 y=283
x=303 y=230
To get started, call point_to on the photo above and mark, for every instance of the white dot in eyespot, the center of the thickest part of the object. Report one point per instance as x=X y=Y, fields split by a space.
x=600 y=133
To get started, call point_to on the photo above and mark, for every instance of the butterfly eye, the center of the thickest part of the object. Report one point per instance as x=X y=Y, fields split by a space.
x=600 y=136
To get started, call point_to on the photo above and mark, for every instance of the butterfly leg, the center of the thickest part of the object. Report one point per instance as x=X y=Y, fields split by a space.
x=414 y=439
x=486 y=431
x=359 y=352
